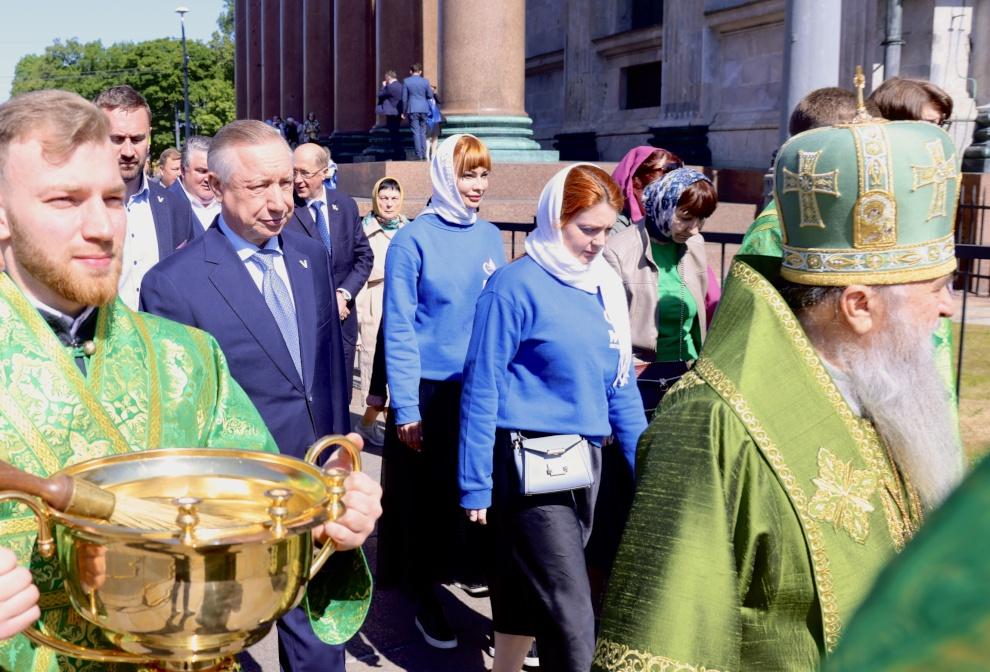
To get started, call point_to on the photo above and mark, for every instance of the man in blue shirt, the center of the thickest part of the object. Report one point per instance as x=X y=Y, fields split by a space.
x=416 y=95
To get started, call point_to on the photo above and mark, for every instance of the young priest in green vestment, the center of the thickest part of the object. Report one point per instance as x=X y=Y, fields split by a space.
x=83 y=376
x=813 y=433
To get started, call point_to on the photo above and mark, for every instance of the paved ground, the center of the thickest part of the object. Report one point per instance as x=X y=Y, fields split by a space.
x=389 y=641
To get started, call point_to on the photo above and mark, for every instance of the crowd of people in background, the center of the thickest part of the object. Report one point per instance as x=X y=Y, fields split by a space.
x=515 y=392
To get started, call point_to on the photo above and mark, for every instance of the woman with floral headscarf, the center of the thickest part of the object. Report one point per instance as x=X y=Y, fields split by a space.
x=662 y=264
x=380 y=226
x=435 y=270
x=550 y=354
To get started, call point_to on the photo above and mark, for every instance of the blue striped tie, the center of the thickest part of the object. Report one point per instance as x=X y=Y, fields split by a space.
x=280 y=303
x=321 y=225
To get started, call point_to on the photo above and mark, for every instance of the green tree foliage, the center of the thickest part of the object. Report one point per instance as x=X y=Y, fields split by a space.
x=153 y=67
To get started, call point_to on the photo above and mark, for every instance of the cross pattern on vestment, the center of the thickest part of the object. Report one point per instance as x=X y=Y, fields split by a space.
x=808 y=183
x=843 y=495
x=936 y=175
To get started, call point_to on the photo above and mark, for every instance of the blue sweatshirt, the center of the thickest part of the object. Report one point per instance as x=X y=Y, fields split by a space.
x=540 y=359
x=434 y=272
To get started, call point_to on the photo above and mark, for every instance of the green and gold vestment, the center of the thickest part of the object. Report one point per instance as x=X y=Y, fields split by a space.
x=151 y=383
x=764 y=507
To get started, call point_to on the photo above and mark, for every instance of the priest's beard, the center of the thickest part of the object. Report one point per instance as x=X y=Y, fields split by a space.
x=900 y=390
x=56 y=269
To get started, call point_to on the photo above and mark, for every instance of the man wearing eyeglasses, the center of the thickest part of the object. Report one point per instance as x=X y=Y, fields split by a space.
x=331 y=216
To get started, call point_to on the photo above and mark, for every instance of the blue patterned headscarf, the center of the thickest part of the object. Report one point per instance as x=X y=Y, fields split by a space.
x=660 y=200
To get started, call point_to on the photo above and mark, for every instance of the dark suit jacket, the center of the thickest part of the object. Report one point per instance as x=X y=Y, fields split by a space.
x=206 y=285
x=175 y=223
x=390 y=98
x=351 y=256
x=416 y=91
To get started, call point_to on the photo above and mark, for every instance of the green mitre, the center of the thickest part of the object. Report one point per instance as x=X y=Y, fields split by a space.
x=871 y=202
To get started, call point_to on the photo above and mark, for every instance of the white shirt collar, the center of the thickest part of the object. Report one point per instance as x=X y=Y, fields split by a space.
x=194 y=199
x=322 y=198
x=72 y=323
x=244 y=248
x=143 y=191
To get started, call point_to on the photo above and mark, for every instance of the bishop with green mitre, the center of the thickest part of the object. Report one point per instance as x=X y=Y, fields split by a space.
x=814 y=432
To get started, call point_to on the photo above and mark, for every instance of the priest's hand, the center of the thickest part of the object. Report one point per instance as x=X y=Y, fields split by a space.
x=18 y=596
x=362 y=502
x=479 y=516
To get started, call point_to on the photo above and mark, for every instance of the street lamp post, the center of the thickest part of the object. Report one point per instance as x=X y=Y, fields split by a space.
x=181 y=11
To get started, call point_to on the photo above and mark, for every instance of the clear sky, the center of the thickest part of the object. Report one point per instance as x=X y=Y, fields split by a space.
x=28 y=26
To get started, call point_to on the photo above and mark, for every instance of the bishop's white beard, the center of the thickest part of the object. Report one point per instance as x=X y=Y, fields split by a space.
x=899 y=388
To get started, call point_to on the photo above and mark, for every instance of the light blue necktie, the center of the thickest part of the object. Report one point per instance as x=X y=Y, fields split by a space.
x=280 y=303
x=321 y=225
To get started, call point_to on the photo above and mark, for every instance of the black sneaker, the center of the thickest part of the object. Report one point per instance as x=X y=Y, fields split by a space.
x=432 y=624
x=532 y=659
x=473 y=589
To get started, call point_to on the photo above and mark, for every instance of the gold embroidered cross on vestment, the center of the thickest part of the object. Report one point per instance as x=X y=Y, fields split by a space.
x=843 y=495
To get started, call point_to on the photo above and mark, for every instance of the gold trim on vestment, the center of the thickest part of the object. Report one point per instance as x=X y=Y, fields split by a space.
x=153 y=435
x=618 y=657
x=820 y=565
x=829 y=279
x=29 y=433
x=52 y=348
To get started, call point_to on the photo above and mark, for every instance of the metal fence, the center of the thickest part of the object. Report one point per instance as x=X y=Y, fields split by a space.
x=972 y=277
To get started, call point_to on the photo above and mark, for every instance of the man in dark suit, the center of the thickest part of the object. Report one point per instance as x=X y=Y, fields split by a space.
x=415 y=96
x=331 y=216
x=390 y=104
x=158 y=221
x=268 y=297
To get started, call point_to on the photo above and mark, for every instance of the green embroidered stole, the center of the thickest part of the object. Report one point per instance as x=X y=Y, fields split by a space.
x=854 y=507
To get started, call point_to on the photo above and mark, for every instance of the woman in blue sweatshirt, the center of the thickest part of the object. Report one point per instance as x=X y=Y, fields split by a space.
x=434 y=271
x=550 y=353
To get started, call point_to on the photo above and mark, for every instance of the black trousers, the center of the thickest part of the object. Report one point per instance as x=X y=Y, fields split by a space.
x=421 y=500
x=395 y=141
x=539 y=581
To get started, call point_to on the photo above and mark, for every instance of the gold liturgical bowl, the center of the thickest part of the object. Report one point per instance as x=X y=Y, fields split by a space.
x=237 y=558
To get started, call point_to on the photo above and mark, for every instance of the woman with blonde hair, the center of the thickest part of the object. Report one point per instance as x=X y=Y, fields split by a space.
x=434 y=271
x=549 y=372
x=380 y=226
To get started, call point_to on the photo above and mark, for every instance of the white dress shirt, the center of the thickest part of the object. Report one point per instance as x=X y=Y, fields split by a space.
x=326 y=217
x=245 y=250
x=140 y=245
x=204 y=213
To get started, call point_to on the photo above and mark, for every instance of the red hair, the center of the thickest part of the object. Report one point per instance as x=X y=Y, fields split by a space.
x=470 y=153
x=656 y=165
x=586 y=187
x=700 y=199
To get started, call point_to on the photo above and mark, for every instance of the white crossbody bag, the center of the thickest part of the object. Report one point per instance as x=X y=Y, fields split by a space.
x=552 y=463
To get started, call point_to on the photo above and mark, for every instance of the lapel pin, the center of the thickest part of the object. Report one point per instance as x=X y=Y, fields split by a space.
x=334 y=206
x=304 y=263
x=161 y=199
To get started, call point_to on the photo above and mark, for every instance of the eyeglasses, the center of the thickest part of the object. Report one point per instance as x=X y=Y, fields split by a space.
x=945 y=124
x=305 y=175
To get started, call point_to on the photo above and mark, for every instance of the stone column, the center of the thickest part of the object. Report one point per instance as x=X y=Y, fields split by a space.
x=398 y=44
x=240 y=58
x=318 y=80
x=271 y=37
x=483 y=61
x=812 y=37
x=291 y=57
x=354 y=77
x=252 y=71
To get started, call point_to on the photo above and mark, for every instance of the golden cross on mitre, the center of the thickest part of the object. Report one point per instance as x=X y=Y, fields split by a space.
x=859 y=81
x=807 y=183
x=937 y=175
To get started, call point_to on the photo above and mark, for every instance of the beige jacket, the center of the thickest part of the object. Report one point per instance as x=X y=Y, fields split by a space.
x=628 y=252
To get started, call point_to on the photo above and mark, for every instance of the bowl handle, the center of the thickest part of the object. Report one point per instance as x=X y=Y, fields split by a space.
x=312 y=455
x=46 y=547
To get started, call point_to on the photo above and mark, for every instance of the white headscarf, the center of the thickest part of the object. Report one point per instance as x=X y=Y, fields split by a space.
x=446 y=201
x=546 y=246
